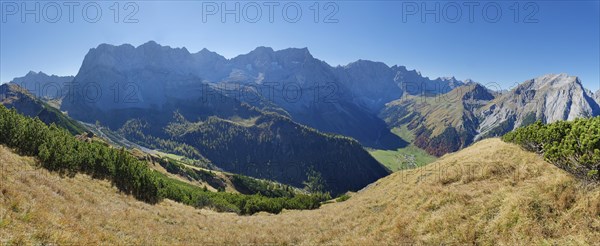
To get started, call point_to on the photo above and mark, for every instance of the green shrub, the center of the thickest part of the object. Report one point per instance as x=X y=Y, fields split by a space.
x=571 y=145
x=342 y=198
x=251 y=186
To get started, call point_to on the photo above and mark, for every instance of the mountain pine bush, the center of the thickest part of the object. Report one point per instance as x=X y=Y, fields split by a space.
x=571 y=145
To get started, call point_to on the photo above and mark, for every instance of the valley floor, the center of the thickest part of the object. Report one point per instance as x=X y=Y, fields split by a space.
x=490 y=193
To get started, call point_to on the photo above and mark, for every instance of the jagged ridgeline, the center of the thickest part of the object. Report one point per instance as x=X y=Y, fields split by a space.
x=571 y=145
x=61 y=152
x=236 y=113
x=234 y=135
x=342 y=100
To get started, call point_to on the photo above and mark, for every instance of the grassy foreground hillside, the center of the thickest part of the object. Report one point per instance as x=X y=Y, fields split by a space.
x=490 y=193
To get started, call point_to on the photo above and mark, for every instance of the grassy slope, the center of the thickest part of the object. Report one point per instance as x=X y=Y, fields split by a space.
x=396 y=159
x=437 y=112
x=490 y=193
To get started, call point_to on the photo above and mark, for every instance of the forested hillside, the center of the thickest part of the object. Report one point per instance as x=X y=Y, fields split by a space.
x=239 y=138
x=60 y=152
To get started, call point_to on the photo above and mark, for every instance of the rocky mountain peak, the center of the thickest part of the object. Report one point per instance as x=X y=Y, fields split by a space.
x=207 y=57
x=150 y=44
x=549 y=98
x=555 y=81
x=204 y=52
x=295 y=53
x=32 y=73
x=469 y=81
x=367 y=64
x=476 y=92
x=38 y=76
x=266 y=58
x=43 y=85
x=260 y=52
x=451 y=78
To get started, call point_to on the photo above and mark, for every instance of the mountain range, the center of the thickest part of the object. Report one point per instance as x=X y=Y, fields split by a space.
x=452 y=121
x=43 y=85
x=290 y=81
x=267 y=112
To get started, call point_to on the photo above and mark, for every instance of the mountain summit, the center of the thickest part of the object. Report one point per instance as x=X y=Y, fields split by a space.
x=43 y=85
x=143 y=87
x=363 y=100
x=451 y=121
x=441 y=124
x=548 y=98
x=343 y=100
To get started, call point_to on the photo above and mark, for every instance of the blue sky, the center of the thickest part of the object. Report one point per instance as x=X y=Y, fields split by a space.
x=539 y=38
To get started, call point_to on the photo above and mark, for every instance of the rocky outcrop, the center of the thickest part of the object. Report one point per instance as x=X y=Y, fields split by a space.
x=548 y=98
x=449 y=122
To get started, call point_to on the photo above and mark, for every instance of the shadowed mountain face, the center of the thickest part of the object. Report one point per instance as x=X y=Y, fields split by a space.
x=597 y=96
x=291 y=82
x=138 y=90
x=239 y=138
x=373 y=84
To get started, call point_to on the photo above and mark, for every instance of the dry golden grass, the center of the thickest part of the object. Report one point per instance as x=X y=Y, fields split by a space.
x=492 y=193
